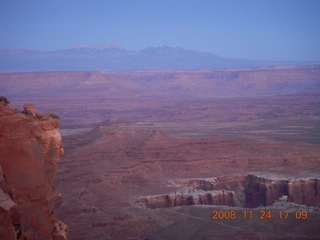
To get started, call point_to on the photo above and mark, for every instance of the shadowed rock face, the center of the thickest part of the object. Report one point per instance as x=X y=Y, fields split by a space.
x=30 y=147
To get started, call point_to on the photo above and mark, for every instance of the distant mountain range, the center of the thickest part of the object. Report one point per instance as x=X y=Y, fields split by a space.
x=114 y=58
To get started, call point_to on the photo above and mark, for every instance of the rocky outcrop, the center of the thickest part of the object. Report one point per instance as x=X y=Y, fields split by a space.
x=30 y=147
x=239 y=190
x=189 y=197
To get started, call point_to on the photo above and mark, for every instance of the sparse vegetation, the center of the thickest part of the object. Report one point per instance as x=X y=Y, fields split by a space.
x=11 y=188
x=55 y=115
x=4 y=99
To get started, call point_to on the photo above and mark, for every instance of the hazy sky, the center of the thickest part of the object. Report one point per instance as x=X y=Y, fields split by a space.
x=253 y=29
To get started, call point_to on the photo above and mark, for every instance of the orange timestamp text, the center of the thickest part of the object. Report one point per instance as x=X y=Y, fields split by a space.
x=263 y=214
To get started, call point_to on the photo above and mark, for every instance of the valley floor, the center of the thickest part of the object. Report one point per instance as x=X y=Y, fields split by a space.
x=106 y=169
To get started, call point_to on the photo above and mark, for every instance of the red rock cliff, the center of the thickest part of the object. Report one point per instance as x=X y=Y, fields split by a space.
x=30 y=147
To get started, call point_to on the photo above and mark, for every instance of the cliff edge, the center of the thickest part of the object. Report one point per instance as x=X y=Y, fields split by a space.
x=30 y=147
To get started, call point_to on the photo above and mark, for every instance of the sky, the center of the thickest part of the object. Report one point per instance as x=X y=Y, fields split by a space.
x=250 y=29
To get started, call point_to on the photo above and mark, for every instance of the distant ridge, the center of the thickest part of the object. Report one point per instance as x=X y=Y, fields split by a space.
x=114 y=58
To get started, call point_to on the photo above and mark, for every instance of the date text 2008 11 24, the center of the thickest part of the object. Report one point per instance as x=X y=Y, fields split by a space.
x=263 y=214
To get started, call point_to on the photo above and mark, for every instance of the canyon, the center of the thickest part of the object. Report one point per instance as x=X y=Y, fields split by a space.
x=151 y=154
x=169 y=96
x=132 y=177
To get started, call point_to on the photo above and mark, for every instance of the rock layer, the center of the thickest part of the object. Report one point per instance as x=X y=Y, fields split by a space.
x=244 y=191
x=30 y=147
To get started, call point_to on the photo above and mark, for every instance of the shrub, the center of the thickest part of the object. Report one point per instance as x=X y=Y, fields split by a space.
x=55 y=115
x=4 y=99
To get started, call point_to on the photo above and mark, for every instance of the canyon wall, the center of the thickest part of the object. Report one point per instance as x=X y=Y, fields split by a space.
x=30 y=147
x=244 y=191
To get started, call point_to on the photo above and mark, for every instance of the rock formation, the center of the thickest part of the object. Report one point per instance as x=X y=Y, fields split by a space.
x=30 y=147
x=244 y=191
x=193 y=197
